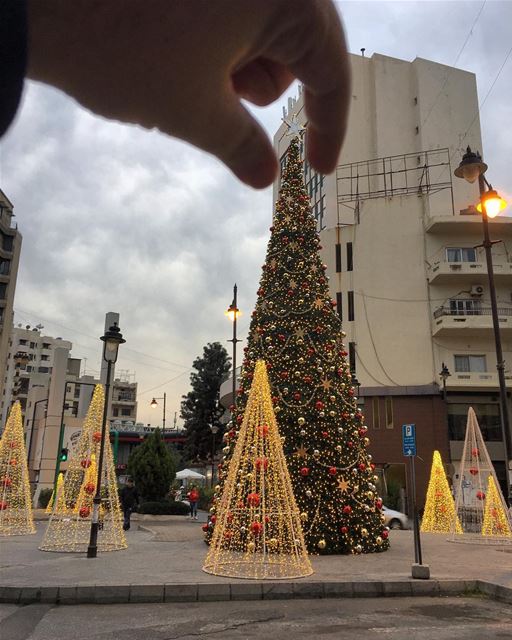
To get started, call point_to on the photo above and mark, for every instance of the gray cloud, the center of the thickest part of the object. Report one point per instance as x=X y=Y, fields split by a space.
x=116 y=218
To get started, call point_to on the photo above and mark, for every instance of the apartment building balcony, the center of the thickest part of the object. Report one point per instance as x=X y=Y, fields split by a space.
x=499 y=227
x=474 y=322
x=444 y=272
x=476 y=380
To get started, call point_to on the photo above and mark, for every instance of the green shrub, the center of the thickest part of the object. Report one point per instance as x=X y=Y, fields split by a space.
x=44 y=498
x=205 y=498
x=151 y=465
x=164 y=508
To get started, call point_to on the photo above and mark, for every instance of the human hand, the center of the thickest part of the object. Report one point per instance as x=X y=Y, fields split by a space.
x=182 y=66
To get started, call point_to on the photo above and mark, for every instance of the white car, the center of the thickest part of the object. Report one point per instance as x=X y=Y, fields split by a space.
x=395 y=519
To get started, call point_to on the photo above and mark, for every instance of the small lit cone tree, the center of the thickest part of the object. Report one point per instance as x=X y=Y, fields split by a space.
x=15 y=498
x=258 y=531
x=496 y=522
x=439 y=507
x=57 y=493
x=297 y=331
x=476 y=475
x=70 y=523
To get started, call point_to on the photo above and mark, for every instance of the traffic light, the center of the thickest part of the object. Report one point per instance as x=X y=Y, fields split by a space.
x=63 y=454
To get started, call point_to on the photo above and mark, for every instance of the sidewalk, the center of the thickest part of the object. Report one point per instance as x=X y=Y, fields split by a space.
x=164 y=560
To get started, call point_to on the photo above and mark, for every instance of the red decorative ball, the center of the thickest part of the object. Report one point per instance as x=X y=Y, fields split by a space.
x=84 y=512
x=13 y=462
x=204 y=528
x=350 y=444
x=372 y=466
x=308 y=379
x=13 y=444
x=319 y=405
x=253 y=499
x=473 y=471
x=297 y=396
x=304 y=471
x=362 y=431
x=284 y=375
x=229 y=517
x=263 y=430
x=333 y=471
x=361 y=466
x=385 y=534
x=6 y=482
x=89 y=488
x=228 y=534
x=378 y=503
x=96 y=436
x=344 y=529
x=281 y=337
x=310 y=351
x=239 y=418
x=85 y=463
x=213 y=519
x=267 y=519
x=3 y=505
x=261 y=462
x=325 y=434
x=347 y=509
x=480 y=495
x=475 y=452
x=256 y=528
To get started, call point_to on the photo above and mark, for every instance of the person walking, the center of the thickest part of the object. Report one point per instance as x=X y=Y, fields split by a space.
x=193 y=498
x=129 y=500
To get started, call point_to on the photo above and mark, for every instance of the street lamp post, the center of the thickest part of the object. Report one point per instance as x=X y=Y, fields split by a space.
x=444 y=374
x=233 y=312
x=214 y=429
x=154 y=405
x=472 y=168
x=111 y=341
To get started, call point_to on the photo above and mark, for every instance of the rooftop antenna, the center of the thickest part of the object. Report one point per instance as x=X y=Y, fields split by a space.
x=363 y=49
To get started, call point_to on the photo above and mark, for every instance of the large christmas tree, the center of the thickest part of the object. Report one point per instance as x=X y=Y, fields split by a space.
x=296 y=330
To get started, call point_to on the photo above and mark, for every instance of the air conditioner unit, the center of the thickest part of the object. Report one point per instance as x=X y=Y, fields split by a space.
x=476 y=290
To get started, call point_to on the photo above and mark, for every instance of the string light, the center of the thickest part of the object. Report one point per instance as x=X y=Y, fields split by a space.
x=298 y=333
x=496 y=522
x=15 y=499
x=56 y=493
x=439 y=511
x=257 y=532
x=70 y=523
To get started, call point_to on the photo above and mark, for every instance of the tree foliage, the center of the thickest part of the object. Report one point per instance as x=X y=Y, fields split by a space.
x=152 y=467
x=200 y=407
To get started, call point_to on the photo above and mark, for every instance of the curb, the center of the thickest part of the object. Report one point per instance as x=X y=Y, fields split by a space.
x=217 y=592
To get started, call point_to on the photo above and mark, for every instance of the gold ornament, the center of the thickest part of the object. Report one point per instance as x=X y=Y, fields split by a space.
x=321 y=544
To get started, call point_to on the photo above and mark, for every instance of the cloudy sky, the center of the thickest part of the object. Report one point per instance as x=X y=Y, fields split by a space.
x=118 y=219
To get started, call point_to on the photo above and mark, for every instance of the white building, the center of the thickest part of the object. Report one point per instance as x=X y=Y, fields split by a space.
x=399 y=234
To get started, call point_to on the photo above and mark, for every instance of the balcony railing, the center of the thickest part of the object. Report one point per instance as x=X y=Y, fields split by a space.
x=480 y=311
x=443 y=271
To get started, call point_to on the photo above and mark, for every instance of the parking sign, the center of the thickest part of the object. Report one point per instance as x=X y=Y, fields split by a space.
x=409 y=439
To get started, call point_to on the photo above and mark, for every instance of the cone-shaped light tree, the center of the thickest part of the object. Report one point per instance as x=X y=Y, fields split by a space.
x=496 y=522
x=70 y=522
x=258 y=531
x=295 y=328
x=15 y=498
x=439 y=507
x=57 y=494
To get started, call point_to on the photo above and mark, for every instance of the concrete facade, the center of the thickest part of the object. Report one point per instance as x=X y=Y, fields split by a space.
x=10 y=248
x=398 y=236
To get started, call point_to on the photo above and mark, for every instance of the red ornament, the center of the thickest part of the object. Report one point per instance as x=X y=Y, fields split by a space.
x=267 y=519
x=228 y=534
x=13 y=462
x=296 y=395
x=310 y=351
x=473 y=471
x=84 y=512
x=308 y=379
x=347 y=509
x=361 y=466
x=344 y=529
x=263 y=430
x=204 y=528
x=89 y=488
x=261 y=462
x=7 y=482
x=475 y=452
x=333 y=471
x=96 y=436
x=281 y=337
x=319 y=405
x=85 y=463
x=253 y=499
x=304 y=471
x=229 y=517
x=256 y=528
x=239 y=418
x=13 y=444
x=378 y=503
x=325 y=434
x=350 y=444
x=363 y=431
x=385 y=534
x=480 y=495
x=3 y=505
x=213 y=519
x=284 y=375
x=372 y=466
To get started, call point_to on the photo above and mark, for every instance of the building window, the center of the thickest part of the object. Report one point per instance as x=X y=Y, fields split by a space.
x=461 y=254
x=465 y=307
x=350 y=265
x=33 y=345
x=46 y=345
x=22 y=341
x=43 y=357
x=338 y=257
x=464 y=364
x=4 y=267
x=389 y=412
x=126 y=411
x=318 y=212
x=488 y=416
x=339 y=305
x=350 y=305
x=352 y=357
x=8 y=242
x=115 y=412
x=376 y=413
x=44 y=370
x=3 y=290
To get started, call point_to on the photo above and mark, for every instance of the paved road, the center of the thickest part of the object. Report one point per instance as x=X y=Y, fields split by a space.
x=471 y=618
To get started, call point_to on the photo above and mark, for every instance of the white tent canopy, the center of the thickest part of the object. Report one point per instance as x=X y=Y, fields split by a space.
x=188 y=474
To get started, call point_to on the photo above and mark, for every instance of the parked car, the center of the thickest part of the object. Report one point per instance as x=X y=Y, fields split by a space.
x=395 y=519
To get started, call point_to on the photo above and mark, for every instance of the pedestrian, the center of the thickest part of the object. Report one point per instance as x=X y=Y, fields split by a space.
x=192 y=66
x=129 y=501
x=193 y=498
x=178 y=494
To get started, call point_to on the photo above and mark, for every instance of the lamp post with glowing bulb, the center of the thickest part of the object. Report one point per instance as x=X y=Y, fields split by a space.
x=444 y=374
x=233 y=312
x=111 y=341
x=470 y=169
x=154 y=405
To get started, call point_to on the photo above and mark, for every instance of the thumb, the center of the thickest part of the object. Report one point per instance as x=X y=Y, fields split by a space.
x=241 y=143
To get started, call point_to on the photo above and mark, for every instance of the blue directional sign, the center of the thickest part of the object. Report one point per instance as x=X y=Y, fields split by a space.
x=409 y=439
